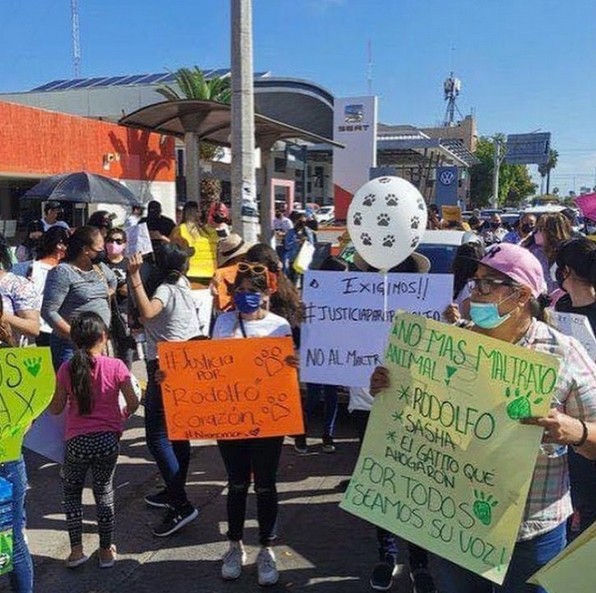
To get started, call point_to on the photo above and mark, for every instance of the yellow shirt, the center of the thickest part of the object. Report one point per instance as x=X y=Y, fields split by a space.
x=204 y=261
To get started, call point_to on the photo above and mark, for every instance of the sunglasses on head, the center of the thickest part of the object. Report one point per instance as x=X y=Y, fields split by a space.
x=257 y=269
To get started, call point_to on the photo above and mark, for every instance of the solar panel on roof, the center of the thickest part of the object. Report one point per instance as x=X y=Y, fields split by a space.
x=88 y=82
x=113 y=80
x=48 y=85
x=154 y=78
x=220 y=72
x=132 y=79
x=68 y=84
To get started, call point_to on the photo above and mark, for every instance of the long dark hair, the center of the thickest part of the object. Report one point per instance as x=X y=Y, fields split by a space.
x=171 y=263
x=50 y=240
x=5 y=258
x=86 y=330
x=286 y=301
x=579 y=255
x=83 y=237
x=464 y=264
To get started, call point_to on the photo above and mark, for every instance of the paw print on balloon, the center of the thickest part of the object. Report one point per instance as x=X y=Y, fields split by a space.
x=391 y=200
x=270 y=360
x=369 y=199
x=383 y=219
x=388 y=241
x=357 y=219
x=421 y=205
x=275 y=407
x=415 y=222
x=414 y=242
x=521 y=406
x=384 y=179
x=366 y=239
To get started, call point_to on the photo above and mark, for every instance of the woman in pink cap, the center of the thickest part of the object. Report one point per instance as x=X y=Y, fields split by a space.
x=507 y=303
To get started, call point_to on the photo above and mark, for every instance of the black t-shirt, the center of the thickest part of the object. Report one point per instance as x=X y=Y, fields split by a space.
x=160 y=223
x=564 y=306
x=120 y=271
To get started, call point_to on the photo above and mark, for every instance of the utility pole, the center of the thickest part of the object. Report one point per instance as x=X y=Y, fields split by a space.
x=243 y=119
x=76 y=38
x=499 y=155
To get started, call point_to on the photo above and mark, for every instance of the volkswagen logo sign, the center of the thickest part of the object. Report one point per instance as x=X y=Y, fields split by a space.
x=447 y=177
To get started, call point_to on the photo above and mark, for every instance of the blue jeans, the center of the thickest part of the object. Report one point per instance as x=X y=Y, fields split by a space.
x=528 y=557
x=313 y=394
x=172 y=457
x=21 y=577
x=62 y=350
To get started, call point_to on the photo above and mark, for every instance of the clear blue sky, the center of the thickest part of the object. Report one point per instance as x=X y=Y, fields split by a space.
x=525 y=64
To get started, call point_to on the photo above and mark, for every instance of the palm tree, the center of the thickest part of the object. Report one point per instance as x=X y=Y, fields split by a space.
x=546 y=168
x=191 y=83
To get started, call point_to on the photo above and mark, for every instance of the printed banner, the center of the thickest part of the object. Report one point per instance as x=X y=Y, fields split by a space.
x=138 y=240
x=230 y=389
x=347 y=320
x=27 y=384
x=577 y=326
x=445 y=462
x=572 y=571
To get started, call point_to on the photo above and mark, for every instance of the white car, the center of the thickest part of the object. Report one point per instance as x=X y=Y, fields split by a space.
x=325 y=214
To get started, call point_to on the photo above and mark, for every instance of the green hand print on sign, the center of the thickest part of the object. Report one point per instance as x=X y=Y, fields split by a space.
x=33 y=365
x=483 y=507
x=520 y=407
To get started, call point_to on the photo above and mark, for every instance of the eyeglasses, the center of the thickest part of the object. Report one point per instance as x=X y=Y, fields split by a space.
x=117 y=241
x=257 y=269
x=485 y=286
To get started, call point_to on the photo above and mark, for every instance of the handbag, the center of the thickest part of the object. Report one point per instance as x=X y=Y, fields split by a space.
x=304 y=257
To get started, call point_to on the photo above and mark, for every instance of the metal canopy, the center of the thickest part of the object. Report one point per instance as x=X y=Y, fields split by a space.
x=212 y=122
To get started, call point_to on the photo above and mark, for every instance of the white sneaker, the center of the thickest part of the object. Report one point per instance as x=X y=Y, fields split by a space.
x=266 y=567
x=233 y=561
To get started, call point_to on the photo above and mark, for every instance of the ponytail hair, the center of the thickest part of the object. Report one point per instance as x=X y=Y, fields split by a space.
x=83 y=237
x=539 y=309
x=86 y=330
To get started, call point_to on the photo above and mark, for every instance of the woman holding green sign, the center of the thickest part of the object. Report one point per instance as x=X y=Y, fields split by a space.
x=507 y=304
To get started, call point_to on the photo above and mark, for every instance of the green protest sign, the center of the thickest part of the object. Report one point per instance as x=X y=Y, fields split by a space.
x=445 y=462
x=27 y=384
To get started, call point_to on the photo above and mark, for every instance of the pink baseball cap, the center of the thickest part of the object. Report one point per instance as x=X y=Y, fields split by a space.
x=518 y=264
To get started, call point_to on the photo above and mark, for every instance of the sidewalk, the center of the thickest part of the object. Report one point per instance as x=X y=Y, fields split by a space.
x=321 y=548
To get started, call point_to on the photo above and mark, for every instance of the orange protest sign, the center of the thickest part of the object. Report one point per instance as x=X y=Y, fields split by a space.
x=230 y=389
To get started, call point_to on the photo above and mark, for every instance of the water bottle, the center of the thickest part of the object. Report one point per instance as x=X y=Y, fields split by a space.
x=140 y=342
x=5 y=526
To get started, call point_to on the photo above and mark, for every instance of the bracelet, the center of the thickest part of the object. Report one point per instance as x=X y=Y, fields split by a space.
x=137 y=285
x=584 y=437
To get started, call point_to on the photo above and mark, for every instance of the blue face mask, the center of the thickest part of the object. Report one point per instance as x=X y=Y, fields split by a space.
x=248 y=302
x=486 y=315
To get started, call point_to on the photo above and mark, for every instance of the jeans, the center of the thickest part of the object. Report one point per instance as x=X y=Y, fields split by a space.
x=21 y=577
x=313 y=393
x=582 y=474
x=172 y=457
x=261 y=457
x=528 y=557
x=62 y=350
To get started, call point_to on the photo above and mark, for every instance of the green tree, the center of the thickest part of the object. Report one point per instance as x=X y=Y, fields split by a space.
x=546 y=168
x=515 y=183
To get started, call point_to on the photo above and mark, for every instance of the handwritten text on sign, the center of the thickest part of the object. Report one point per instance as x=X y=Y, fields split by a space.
x=445 y=462
x=347 y=320
x=27 y=384
x=230 y=389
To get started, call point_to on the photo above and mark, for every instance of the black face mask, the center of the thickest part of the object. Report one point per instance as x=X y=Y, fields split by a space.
x=527 y=228
x=561 y=276
x=495 y=225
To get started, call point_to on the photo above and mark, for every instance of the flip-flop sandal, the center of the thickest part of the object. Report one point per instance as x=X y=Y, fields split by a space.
x=78 y=562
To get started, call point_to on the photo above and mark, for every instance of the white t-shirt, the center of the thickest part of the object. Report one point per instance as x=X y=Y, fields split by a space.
x=39 y=274
x=178 y=321
x=47 y=226
x=360 y=399
x=271 y=326
x=282 y=224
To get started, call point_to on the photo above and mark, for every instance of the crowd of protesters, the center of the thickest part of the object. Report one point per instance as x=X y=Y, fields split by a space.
x=79 y=291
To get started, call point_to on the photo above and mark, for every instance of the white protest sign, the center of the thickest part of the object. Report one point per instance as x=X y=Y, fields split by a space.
x=345 y=328
x=204 y=303
x=138 y=240
x=578 y=327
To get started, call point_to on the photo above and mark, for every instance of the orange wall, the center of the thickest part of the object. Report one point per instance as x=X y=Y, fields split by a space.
x=35 y=142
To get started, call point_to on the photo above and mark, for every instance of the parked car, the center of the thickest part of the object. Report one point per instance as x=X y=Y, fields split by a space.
x=325 y=214
x=440 y=248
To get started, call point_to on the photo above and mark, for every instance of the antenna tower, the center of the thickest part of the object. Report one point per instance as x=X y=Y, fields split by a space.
x=369 y=69
x=451 y=89
x=76 y=38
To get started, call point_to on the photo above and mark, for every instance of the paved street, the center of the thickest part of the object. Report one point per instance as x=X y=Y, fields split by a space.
x=321 y=549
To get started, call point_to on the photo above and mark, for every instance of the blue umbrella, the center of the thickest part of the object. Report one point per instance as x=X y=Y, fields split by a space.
x=82 y=187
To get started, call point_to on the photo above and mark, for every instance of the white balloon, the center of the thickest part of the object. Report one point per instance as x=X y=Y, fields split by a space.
x=386 y=221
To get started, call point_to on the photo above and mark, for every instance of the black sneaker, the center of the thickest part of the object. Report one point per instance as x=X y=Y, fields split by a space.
x=175 y=519
x=382 y=575
x=159 y=500
x=300 y=445
x=328 y=444
x=422 y=581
